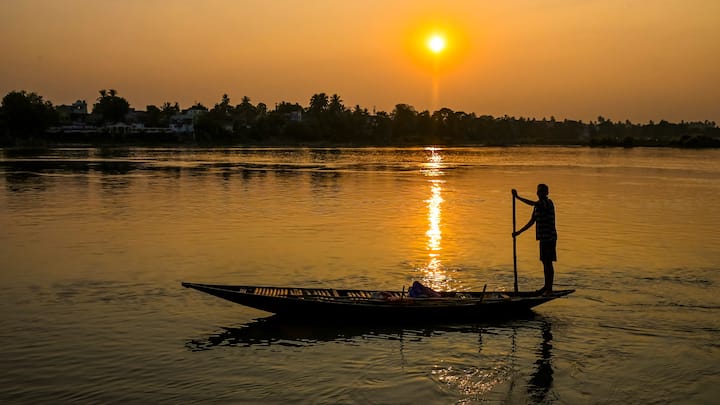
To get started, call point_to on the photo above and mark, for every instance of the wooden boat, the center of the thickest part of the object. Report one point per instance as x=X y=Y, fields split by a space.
x=376 y=305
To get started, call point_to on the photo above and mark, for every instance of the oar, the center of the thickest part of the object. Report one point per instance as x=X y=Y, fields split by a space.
x=514 y=245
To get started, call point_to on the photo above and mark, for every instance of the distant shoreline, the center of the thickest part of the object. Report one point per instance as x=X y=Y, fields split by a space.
x=49 y=143
x=26 y=120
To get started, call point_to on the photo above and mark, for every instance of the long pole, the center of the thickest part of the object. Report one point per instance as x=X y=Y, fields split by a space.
x=514 y=245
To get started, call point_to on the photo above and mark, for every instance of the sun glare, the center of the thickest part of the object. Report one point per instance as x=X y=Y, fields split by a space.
x=436 y=43
x=436 y=46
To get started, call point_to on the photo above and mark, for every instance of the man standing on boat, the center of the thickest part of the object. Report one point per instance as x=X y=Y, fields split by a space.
x=543 y=217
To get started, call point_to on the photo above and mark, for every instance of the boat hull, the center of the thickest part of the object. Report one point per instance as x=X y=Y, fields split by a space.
x=376 y=306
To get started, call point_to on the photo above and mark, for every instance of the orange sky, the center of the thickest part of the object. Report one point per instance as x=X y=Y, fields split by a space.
x=622 y=59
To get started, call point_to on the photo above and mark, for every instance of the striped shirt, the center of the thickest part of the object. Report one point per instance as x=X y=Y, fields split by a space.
x=544 y=213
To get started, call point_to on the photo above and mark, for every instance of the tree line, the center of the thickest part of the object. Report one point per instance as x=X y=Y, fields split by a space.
x=26 y=117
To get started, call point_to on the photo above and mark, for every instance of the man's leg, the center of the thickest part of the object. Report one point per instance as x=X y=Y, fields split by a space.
x=549 y=271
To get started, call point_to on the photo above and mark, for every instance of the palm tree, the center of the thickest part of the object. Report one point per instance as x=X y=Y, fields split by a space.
x=112 y=107
x=245 y=111
x=223 y=107
x=336 y=105
x=318 y=103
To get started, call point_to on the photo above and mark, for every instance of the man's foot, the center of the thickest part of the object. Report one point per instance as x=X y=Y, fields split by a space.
x=547 y=292
x=541 y=291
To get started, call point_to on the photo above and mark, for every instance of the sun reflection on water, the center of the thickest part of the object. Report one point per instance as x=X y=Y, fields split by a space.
x=434 y=273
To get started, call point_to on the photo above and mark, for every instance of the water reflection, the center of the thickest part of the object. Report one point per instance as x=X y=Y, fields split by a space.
x=19 y=182
x=475 y=381
x=498 y=357
x=321 y=181
x=276 y=330
x=499 y=368
x=434 y=273
x=542 y=378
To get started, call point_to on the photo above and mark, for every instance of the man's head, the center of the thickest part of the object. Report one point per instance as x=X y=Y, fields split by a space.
x=542 y=190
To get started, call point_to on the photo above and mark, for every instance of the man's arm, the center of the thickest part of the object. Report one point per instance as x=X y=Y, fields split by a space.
x=525 y=200
x=525 y=228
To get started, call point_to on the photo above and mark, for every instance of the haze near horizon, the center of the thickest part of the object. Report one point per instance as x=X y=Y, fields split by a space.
x=624 y=60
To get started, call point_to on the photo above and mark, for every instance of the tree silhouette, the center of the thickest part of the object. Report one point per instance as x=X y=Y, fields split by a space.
x=405 y=122
x=111 y=107
x=153 y=116
x=318 y=104
x=245 y=112
x=223 y=108
x=25 y=114
x=326 y=121
x=336 y=106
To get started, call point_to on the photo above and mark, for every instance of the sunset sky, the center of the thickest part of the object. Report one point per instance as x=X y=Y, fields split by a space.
x=632 y=60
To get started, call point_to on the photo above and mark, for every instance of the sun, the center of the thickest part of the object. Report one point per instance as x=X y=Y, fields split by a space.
x=436 y=44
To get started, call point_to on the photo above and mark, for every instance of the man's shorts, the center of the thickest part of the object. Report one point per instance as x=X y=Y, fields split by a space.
x=547 y=250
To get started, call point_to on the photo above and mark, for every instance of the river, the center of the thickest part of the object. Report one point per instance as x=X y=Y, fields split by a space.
x=95 y=242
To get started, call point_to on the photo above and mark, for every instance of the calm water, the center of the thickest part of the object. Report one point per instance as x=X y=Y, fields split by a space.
x=94 y=244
